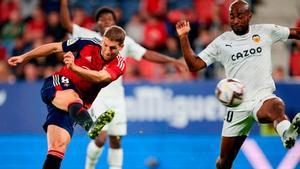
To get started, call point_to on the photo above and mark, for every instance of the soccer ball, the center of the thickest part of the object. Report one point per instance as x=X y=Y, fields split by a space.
x=230 y=92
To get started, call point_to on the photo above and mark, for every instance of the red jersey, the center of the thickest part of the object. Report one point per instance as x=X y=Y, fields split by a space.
x=88 y=56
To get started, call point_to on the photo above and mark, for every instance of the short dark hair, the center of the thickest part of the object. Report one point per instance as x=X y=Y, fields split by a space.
x=105 y=10
x=115 y=33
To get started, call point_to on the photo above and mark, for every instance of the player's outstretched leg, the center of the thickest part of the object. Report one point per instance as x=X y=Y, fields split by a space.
x=101 y=121
x=291 y=134
x=93 y=153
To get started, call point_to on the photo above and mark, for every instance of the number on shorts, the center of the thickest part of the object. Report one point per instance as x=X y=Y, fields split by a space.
x=64 y=79
x=229 y=116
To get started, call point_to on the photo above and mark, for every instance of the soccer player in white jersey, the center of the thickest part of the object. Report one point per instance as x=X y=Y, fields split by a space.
x=113 y=95
x=245 y=53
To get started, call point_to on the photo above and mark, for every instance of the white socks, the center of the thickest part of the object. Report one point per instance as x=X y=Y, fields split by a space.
x=92 y=155
x=282 y=127
x=115 y=158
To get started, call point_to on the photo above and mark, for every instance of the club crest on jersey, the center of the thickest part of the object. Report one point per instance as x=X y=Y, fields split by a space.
x=72 y=41
x=65 y=81
x=256 y=38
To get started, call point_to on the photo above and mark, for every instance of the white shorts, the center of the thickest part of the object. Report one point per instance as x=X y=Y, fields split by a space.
x=118 y=126
x=238 y=121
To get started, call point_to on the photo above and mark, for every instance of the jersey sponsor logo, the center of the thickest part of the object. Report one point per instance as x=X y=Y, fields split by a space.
x=246 y=53
x=256 y=38
x=72 y=41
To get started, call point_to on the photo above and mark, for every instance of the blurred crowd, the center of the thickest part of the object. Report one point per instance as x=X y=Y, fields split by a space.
x=26 y=24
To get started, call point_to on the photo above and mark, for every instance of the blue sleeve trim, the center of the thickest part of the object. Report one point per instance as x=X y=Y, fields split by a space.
x=76 y=44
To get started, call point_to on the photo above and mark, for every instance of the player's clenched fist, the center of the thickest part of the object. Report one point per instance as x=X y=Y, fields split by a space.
x=15 y=60
x=182 y=27
x=69 y=59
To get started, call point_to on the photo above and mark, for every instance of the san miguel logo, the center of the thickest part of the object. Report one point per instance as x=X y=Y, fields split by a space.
x=256 y=38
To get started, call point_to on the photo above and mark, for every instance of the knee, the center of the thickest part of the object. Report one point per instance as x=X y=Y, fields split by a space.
x=72 y=95
x=277 y=108
x=115 y=142
x=57 y=145
x=100 y=140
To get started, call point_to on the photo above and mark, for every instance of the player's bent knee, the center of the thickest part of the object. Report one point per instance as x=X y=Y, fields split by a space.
x=100 y=141
x=277 y=109
x=273 y=109
x=115 y=142
x=66 y=94
x=278 y=105
x=71 y=94
x=63 y=98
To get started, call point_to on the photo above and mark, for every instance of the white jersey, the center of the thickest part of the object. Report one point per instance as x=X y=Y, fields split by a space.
x=131 y=49
x=247 y=57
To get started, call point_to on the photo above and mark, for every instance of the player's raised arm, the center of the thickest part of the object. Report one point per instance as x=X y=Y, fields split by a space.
x=294 y=33
x=65 y=17
x=40 y=51
x=194 y=63
x=156 y=57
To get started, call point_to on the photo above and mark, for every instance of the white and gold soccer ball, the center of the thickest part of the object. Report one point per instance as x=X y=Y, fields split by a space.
x=230 y=92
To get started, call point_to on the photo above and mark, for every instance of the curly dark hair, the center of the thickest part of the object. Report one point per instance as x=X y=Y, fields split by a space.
x=105 y=10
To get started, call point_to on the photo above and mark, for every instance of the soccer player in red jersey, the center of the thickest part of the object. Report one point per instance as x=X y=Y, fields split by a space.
x=112 y=96
x=69 y=92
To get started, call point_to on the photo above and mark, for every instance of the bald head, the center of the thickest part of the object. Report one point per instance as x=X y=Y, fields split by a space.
x=240 y=16
x=239 y=4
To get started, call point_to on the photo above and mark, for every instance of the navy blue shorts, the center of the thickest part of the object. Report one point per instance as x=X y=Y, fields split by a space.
x=56 y=116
